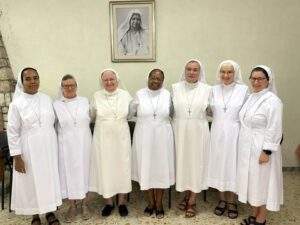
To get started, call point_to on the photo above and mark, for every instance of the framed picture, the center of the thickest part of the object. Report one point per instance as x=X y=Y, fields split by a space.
x=132 y=31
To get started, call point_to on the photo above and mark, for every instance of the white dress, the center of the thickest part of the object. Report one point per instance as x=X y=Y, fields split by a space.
x=261 y=129
x=74 y=144
x=225 y=103
x=191 y=134
x=110 y=170
x=31 y=134
x=153 y=162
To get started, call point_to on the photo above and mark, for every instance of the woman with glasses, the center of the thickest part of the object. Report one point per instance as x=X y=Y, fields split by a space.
x=74 y=143
x=259 y=171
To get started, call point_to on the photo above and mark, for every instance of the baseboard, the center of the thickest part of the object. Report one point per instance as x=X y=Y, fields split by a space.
x=291 y=168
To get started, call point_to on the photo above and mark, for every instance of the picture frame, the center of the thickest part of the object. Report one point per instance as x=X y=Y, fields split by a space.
x=132 y=31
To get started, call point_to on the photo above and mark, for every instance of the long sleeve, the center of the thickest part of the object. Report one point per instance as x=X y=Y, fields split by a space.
x=14 y=131
x=273 y=131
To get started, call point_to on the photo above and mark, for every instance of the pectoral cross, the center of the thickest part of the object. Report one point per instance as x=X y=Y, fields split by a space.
x=189 y=111
x=225 y=109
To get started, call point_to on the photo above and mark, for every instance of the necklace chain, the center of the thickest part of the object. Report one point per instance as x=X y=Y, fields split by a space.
x=156 y=107
x=190 y=101
x=74 y=118
x=226 y=103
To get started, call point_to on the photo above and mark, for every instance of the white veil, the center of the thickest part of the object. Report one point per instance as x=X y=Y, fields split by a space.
x=237 y=71
x=201 y=73
x=271 y=86
x=125 y=26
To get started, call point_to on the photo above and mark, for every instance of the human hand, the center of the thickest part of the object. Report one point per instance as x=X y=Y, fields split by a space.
x=19 y=164
x=263 y=158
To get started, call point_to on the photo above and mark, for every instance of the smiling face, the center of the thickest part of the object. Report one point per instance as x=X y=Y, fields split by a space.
x=69 y=88
x=30 y=81
x=259 y=81
x=135 y=21
x=192 y=72
x=155 y=80
x=227 y=73
x=109 y=81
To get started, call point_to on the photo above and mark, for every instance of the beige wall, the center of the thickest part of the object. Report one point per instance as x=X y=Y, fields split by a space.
x=68 y=36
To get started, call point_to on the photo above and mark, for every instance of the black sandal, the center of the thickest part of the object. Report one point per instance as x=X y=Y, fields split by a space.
x=123 y=211
x=219 y=211
x=160 y=213
x=106 y=211
x=51 y=219
x=249 y=221
x=36 y=219
x=149 y=210
x=232 y=213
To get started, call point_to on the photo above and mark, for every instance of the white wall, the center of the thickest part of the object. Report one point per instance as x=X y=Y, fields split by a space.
x=72 y=36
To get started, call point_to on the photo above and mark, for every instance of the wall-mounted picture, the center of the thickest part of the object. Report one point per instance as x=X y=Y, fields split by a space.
x=132 y=29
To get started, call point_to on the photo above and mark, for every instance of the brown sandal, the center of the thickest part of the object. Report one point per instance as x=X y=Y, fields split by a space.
x=190 y=210
x=183 y=204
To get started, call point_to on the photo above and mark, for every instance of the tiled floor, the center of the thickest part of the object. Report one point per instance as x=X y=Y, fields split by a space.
x=289 y=214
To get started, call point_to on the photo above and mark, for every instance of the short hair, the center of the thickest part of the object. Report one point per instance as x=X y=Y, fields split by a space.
x=25 y=69
x=260 y=69
x=67 y=77
x=157 y=70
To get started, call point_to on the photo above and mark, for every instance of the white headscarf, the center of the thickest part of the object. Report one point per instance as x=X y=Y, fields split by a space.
x=120 y=84
x=271 y=87
x=60 y=95
x=125 y=26
x=19 y=86
x=201 y=72
x=237 y=71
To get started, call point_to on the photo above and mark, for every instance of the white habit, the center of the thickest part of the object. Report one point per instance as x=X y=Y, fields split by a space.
x=261 y=129
x=191 y=134
x=153 y=143
x=74 y=143
x=225 y=103
x=31 y=134
x=110 y=170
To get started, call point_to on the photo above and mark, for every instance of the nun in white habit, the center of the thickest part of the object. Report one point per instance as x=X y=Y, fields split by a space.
x=33 y=145
x=259 y=171
x=226 y=100
x=110 y=171
x=153 y=162
x=191 y=132
x=74 y=143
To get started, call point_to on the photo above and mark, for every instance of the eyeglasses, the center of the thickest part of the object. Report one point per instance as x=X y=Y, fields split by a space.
x=258 y=79
x=67 y=86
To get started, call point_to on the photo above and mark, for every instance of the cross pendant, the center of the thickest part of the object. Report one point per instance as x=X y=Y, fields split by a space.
x=154 y=115
x=225 y=109
x=189 y=111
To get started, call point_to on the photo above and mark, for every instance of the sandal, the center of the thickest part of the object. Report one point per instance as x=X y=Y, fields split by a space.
x=85 y=212
x=232 y=211
x=36 y=221
x=160 y=213
x=149 y=210
x=219 y=210
x=71 y=214
x=183 y=204
x=248 y=221
x=190 y=210
x=123 y=211
x=51 y=219
x=106 y=211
